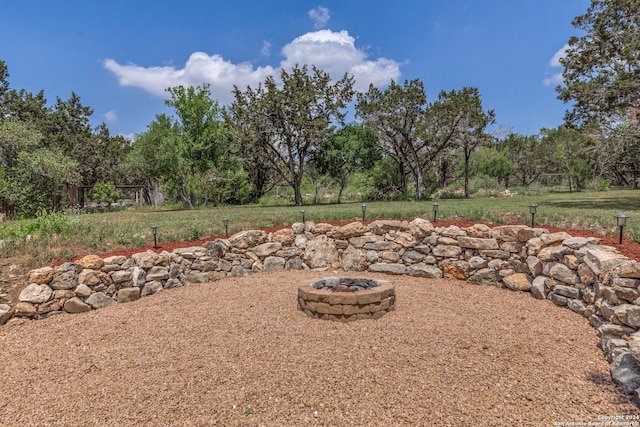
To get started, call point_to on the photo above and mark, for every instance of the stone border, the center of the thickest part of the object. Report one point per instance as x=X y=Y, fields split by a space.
x=595 y=281
x=347 y=306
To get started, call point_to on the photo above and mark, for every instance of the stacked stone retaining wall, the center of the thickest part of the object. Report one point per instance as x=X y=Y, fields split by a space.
x=592 y=280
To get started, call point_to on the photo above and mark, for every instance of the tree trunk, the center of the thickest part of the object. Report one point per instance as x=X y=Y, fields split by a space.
x=467 y=155
x=297 y=190
x=417 y=179
x=343 y=183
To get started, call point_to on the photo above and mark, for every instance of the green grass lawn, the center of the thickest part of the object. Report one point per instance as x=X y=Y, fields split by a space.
x=68 y=236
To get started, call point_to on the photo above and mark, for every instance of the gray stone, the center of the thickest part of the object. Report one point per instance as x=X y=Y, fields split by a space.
x=121 y=276
x=128 y=294
x=492 y=253
x=6 y=311
x=138 y=276
x=607 y=311
x=558 y=300
x=157 y=273
x=424 y=270
x=477 y=262
x=240 y=271
x=48 y=307
x=267 y=249
x=625 y=372
x=447 y=251
x=172 y=283
x=609 y=331
x=452 y=231
x=601 y=259
x=82 y=290
x=535 y=265
x=485 y=276
x=629 y=269
x=566 y=291
x=24 y=309
x=359 y=242
x=353 y=259
x=579 y=242
x=273 y=263
x=577 y=306
x=200 y=265
x=151 y=288
x=75 y=305
x=66 y=280
x=564 y=274
x=586 y=275
x=149 y=258
x=626 y=283
x=421 y=228
x=554 y=238
x=387 y=268
x=413 y=257
x=382 y=227
x=507 y=233
x=36 y=294
x=320 y=252
x=89 y=277
x=99 y=300
x=294 y=263
x=382 y=245
x=175 y=270
x=628 y=314
x=41 y=276
x=205 y=276
x=248 y=239
x=354 y=229
x=371 y=256
x=447 y=241
x=477 y=243
x=115 y=260
x=538 y=287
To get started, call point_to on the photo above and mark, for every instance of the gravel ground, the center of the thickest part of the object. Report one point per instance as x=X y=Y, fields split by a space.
x=238 y=352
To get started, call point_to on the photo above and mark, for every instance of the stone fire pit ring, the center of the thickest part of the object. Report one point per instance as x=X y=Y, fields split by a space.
x=345 y=305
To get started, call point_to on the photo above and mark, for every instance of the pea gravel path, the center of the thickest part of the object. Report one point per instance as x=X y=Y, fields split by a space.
x=237 y=352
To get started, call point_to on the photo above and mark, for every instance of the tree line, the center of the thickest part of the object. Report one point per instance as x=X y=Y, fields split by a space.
x=293 y=129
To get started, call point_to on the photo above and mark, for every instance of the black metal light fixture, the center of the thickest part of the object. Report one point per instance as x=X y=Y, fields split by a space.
x=225 y=221
x=302 y=212
x=621 y=220
x=532 y=210
x=435 y=211
x=364 y=209
x=154 y=228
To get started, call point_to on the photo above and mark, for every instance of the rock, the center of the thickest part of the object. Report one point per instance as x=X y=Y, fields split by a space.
x=49 y=307
x=99 y=300
x=387 y=268
x=286 y=236
x=382 y=227
x=248 y=239
x=526 y=234
x=456 y=270
x=266 y=249
x=547 y=253
x=477 y=243
x=424 y=270
x=403 y=239
x=354 y=229
x=477 y=262
x=609 y=331
x=629 y=269
x=447 y=241
x=157 y=273
x=558 y=300
x=128 y=294
x=535 y=265
x=89 y=277
x=353 y=259
x=554 y=238
x=447 y=251
x=452 y=231
x=492 y=253
x=66 y=280
x=82 y=290
x=586 y=275
x=203 y=265
x=297 y=227
x=149 y=258
x=381 y=245
x=294 y=263
x=121 y=276
x=75 y=305
x=534 y=246
x=413 y=257
x=205 y=277
x=628 y=314
x=571 y=261
x=36 y=294
x=240 y=271
x=538 y=287
x=517 y=282
x=420 y=228
x=577 y=306
x=360 y=242
x=92 y=262
x=115 y=260
x=564 y=274
x=626 y=283
x=600 y=259
x=6 y=312
x=626 y=294
x=507 y=233
x=625 y=372
x=566 y=291
x=320 y=252
x=322 y=228
x=485 y=276
x=151 y=288
x=579 y=242
x=273 y=263
x=41 y=276
x=479 y=230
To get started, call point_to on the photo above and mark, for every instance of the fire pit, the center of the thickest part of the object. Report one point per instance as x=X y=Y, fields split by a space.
x=346 y=299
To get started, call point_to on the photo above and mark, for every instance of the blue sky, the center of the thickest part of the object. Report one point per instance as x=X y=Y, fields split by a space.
x=120 y=55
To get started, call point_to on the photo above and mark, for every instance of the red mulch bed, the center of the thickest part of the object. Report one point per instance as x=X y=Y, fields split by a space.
x=628 y=248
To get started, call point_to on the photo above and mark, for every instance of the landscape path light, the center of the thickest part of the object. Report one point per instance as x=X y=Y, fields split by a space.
x=364 y=209
x=154 y=228
x=302 y=212
x=621 y=219
x=225 y=221
x=532 y=209
x=435 y=211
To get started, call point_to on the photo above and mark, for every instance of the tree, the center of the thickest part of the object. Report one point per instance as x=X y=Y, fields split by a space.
x=528 y=157
x=568 y=154
x=288 y=122
x=470 y=127
x=601 y=70
x=354 y=148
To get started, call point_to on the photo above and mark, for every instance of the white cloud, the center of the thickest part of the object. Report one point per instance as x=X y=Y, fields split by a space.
x=320 y=15
x=554 y=80
x=266 y=48
x=334 y=52
x=111 y=116
x=562 y=53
